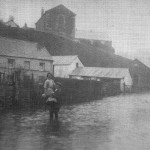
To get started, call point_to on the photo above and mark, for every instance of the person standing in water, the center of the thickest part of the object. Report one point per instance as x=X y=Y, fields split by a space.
x=58 y=97
x=49 y=88
x=49 y=85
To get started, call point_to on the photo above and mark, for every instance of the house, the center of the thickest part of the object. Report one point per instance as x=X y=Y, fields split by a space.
x=25 y=27
x=64 y=65
x=59 y=20
x=108 y=75
x=11 y=23
x=29 y=57
x=96 y=39
x=140 y=74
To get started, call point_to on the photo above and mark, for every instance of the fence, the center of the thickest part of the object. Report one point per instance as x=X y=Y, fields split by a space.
x=28 y=93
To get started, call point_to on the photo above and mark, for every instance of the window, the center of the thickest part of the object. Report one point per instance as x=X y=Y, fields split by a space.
x=42 y=66
x=27 y=65
x=11 y=63
x=77 y=65
x=60 y=23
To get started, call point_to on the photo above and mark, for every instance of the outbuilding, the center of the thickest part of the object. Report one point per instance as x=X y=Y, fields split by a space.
x=64 y=65
x=106 y=75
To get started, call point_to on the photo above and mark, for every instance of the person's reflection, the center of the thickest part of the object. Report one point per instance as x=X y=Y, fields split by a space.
x=53 y=126
x=54 y=132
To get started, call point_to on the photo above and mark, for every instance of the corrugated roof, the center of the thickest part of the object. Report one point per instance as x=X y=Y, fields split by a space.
x=63 y=60
x=20 y=48
x=91 y=35
x=101 y=72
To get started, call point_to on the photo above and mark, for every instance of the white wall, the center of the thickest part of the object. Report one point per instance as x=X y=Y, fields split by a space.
x=63 y=71
x=34 y=65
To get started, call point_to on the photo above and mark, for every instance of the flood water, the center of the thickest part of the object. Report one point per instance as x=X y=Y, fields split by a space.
x=114 y=123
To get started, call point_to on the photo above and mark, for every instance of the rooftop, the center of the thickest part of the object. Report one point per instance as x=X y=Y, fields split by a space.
x=61 y=8
x=91 y=35
x=101 y=72
x=11 y=23
x=64 y=60
x=20 y=48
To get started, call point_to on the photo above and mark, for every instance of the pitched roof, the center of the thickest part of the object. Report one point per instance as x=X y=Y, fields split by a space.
x=143 y=63
x=11 y=23
x=91 y=35
x=64 y=60
x=101 y=72
x=61 y=8
x=20 y=48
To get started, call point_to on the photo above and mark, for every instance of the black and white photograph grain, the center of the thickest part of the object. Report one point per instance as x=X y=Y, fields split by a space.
x=74 y=74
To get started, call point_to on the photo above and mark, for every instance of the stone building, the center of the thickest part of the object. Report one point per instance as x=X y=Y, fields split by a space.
x=59 y=20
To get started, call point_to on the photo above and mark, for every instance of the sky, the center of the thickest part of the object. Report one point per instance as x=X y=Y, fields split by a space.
x=127 y=22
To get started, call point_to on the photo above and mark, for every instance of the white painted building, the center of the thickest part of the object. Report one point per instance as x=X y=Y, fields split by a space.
x=27 y=56
x=92 y=36
x=64 y=65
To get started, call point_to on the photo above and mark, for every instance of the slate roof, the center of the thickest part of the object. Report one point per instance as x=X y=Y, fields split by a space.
x=64 y=60
x=20 y=48
x=91 y=35
x=60 y=8
x=101 y=72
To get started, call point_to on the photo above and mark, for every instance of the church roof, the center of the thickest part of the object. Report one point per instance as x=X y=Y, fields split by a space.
x=61 y=8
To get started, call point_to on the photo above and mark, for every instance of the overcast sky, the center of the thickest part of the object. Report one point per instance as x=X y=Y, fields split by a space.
x=127 y=22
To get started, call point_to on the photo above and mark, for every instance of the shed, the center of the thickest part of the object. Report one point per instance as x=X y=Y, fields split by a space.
x=97 y=73
x=64 y=65
x=140 y=74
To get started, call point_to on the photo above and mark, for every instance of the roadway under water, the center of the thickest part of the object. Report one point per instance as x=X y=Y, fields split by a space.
x=114 y=123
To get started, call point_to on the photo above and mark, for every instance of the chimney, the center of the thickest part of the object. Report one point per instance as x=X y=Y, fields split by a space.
x=42 y=11
x=25 y=25
x=11 y=18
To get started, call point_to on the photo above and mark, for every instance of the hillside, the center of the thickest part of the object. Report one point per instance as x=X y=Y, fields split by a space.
x=56 y=45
